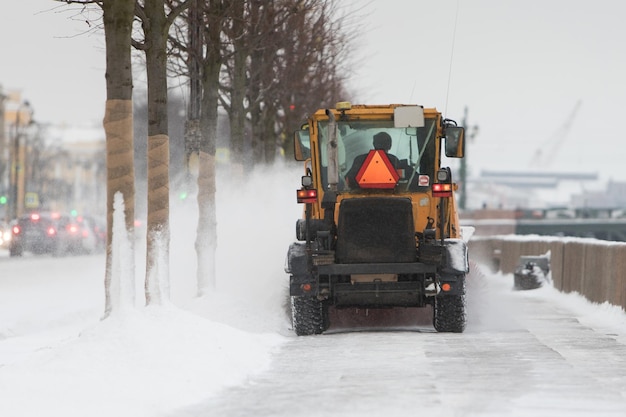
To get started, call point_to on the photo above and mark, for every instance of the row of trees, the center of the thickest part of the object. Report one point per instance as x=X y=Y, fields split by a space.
x=265 y=62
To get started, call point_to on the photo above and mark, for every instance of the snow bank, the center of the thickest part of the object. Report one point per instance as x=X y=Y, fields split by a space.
x=141 y=363
x=152 y=361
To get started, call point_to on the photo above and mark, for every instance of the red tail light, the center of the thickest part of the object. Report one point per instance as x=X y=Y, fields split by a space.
x=442 y=190
x=51 y=231
x=307 y=195
x=16 y=230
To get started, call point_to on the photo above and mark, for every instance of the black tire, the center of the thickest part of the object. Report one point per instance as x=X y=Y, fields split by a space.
x=309 y=316
x=449 y=314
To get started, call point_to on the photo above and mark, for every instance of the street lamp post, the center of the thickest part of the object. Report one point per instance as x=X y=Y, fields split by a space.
x=470 y=134
x=4 y=159
x=18 y=159
x=14 y=169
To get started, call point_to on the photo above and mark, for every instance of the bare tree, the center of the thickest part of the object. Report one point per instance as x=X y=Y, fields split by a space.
x=156 y=23
x=118 y=126
x=266 y=21
x=250 y=40
x=199 y=47
x=117 y=18
x=211 y=64
x=274 y=53
x=312 y=65
x=236 y=32
x=284 y=58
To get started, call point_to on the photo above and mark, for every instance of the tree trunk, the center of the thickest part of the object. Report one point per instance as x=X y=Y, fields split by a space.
x=158 y=233
x=118 y=126
x=269 y=135
x=192 y=124
x=206 y=236
x=238 y=91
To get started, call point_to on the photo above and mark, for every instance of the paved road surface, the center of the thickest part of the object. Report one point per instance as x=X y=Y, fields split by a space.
x=523 y=354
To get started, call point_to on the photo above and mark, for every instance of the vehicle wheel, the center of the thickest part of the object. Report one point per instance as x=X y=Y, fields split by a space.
x=449 y=313
x=309 y=316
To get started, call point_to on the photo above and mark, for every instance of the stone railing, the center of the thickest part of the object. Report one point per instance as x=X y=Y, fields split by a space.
x=593 y=268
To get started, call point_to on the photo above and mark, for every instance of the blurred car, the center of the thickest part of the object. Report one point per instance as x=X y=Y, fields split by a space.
x=78 y=237
x=51 y=233
x=98 y=228
x=35 y=233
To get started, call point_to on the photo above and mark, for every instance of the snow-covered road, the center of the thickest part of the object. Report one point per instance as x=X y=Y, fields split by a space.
x=524 y=353
x=403 y=373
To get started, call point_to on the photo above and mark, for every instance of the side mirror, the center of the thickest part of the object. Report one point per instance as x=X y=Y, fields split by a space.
x=302 y=144
x=455 y=141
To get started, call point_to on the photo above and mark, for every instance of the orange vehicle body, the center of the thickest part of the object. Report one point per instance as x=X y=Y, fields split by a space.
x=380 y=226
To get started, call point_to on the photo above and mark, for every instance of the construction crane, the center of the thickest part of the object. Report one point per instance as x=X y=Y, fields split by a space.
x=544 y=155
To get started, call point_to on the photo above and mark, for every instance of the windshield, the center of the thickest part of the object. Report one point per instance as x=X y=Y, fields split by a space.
x=413 y=148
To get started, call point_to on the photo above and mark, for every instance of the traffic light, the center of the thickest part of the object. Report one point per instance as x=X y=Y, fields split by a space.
x=3 y=199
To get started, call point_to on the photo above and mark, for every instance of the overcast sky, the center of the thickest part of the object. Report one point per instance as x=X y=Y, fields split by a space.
x=51 y=57
x=520 y=68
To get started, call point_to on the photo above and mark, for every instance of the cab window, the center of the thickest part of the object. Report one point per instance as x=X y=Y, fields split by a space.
x=413 y=147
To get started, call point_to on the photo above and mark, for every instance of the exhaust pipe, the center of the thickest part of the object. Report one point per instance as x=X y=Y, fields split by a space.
x=333 y=152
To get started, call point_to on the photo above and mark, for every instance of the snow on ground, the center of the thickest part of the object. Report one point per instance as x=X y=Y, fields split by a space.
x=609 y=318
x=57 y=358
x=485 y=308
x=136 y=364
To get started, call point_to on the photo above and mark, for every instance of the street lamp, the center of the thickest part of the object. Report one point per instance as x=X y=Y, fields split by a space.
x=4 y=158
x=18 y=159
x=471 y=132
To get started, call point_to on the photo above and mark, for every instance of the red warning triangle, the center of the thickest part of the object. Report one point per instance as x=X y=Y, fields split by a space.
x=377 y=171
